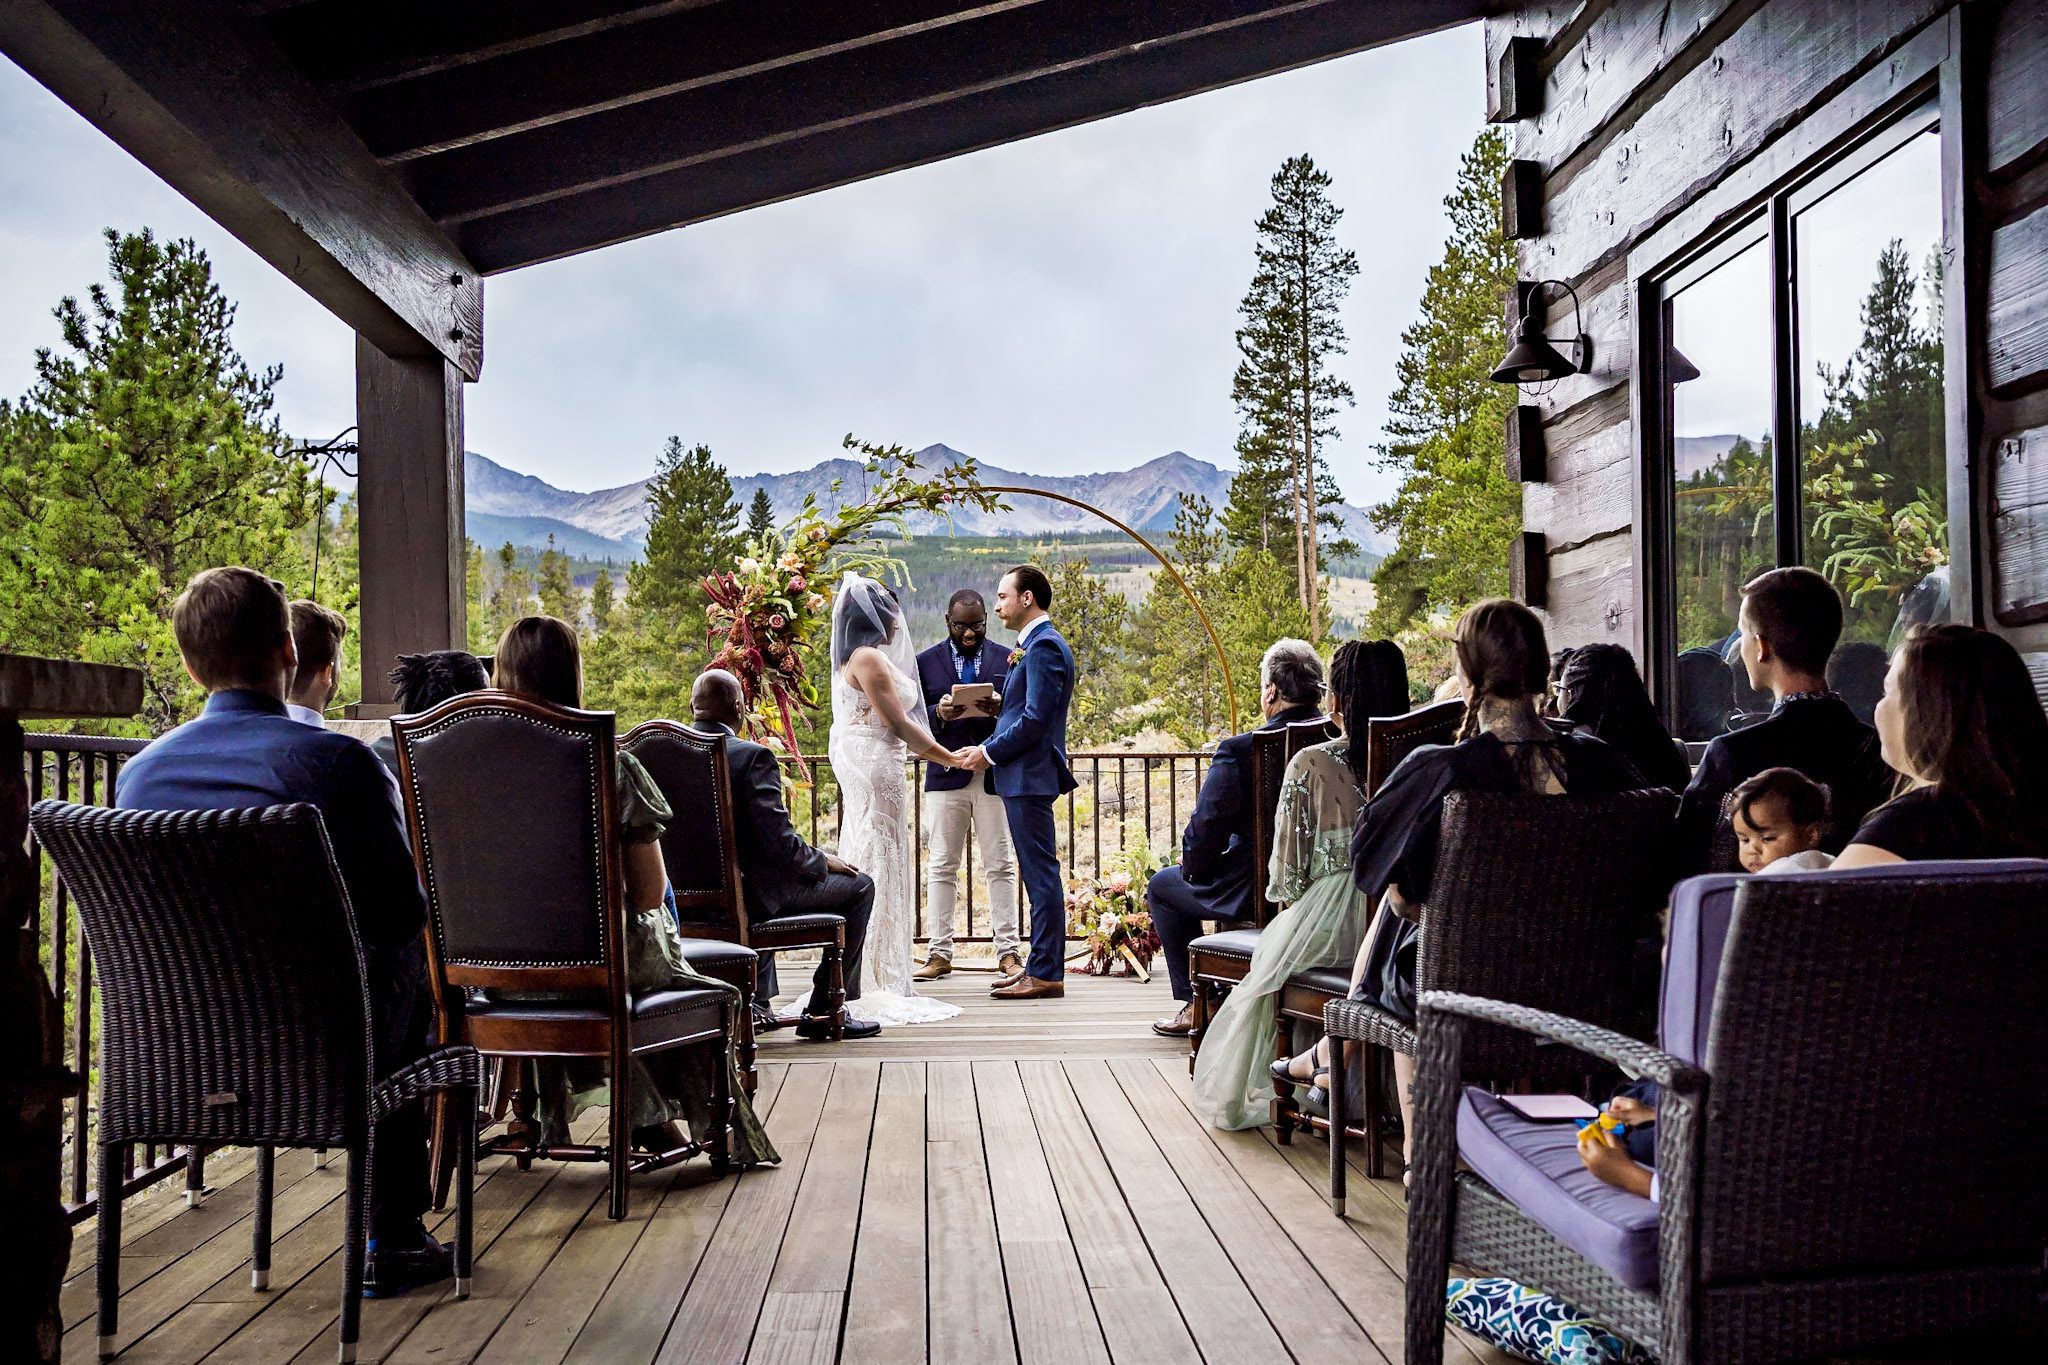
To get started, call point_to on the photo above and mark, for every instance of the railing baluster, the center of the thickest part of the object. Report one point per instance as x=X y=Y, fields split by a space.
x=1096 y=787
x=917 y=843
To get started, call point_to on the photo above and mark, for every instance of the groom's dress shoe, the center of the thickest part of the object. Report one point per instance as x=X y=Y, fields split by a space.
x=1030 y=988
x=1179 y=1025
x=816 y=1028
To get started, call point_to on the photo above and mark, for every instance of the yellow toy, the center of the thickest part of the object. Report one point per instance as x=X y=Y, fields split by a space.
x=1603 y=1127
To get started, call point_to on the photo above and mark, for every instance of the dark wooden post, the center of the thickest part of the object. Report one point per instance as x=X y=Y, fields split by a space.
x=34 y=1080
x=409 y=487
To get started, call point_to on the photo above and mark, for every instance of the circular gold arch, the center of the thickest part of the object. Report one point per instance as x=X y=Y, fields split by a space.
x=1215 y=641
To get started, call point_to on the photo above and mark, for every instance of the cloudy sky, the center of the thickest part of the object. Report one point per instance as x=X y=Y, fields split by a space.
x=1064 y=304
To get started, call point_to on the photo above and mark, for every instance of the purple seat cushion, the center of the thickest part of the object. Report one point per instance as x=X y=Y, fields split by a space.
x=1537 y=1167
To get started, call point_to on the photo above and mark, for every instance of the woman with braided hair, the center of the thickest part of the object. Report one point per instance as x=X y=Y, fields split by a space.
x=1310 y=875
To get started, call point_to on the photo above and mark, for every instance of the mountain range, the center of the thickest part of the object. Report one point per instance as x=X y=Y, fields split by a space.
x=611 y=523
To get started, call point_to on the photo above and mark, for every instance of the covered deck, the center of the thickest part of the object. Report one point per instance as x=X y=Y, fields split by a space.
x=1019 y=1183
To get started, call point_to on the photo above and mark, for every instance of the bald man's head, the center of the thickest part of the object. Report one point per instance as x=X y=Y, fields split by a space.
x=716 y=697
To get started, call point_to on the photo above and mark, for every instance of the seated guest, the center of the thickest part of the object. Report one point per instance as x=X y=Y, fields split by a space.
x=1506 y=746
x=421 y=682
x=1706 y=695
x=1790 y=619
x=1324 y=914
x=1856 y=674
x=317 y=633
x=1213 y=880
x=539 y=657
x=1601 y=691
x=234 y=633
x=1554 y=704
x=783 y=874
x=1961 y=721
x=1780 y=817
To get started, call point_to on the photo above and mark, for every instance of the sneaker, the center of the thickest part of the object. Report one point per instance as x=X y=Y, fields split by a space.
x=396 y=1265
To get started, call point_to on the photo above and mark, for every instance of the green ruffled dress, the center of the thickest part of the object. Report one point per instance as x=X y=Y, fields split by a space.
x=1325 y=918
x=676 y=1085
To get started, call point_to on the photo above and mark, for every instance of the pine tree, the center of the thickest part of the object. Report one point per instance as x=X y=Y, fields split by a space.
x=145 y=451
x=1456 y=510
x=692 y=529
x=760 y=516
x=478 y=622
x=1891 y=386
x=1285 y=388
x=512 y=596
x=601 y=602
x=558 y=597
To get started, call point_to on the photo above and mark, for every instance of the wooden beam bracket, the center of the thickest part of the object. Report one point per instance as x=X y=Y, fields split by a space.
x=1529 y=570
x=1526 y=457
x=1518 y=89
x=1521 y=200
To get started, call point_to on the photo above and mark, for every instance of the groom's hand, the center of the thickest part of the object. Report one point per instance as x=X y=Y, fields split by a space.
x=975 y=759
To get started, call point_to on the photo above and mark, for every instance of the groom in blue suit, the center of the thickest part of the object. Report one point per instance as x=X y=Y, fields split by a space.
x=1028 y=753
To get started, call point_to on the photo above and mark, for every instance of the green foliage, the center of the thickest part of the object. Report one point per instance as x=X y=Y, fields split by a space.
x=1456 y=510
x=692 y=531
x=511 y=595
x=760 y=517
x=603 y=601
x=145 y=451
x=1095 y=622
x=1286 y=388
x=558 y=595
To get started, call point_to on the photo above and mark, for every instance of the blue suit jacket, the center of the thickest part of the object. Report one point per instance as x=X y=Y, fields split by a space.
x=936 y=674
x=1216 y=849
x=1029 y=748
x=244 y=751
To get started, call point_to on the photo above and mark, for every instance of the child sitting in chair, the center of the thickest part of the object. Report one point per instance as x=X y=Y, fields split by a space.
x=1780 y=817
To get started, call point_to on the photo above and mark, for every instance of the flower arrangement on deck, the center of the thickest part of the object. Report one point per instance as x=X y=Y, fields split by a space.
x=773 y=607
x=1110 y=912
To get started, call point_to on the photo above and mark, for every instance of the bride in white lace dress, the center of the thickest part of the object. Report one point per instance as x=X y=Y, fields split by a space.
x=877 y=710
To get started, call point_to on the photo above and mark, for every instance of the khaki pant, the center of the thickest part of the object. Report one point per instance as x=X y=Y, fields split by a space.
x=947 y=816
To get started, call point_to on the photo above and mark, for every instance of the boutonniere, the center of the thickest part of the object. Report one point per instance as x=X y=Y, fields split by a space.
x=1016 y=657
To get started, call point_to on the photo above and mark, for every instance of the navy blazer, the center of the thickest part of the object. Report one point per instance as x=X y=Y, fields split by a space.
x=936 y=674
x=1029 y=748
x=1216 y=848
x=775 y=862
x=244 y=751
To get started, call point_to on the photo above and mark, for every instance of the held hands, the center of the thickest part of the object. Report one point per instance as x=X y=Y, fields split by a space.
x=975 y=759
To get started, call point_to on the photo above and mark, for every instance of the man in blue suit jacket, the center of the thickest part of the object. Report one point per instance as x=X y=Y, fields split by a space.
x=956 y=800
x=234 y=632
x=1213 y=880
x=1028 y=753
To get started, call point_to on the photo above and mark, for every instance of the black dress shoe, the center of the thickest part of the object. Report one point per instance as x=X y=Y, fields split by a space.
x=396 y=1265
x=815 y=1028
x=767 y=1021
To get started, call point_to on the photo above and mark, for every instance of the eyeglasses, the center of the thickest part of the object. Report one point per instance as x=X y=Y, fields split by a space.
x=979 y=623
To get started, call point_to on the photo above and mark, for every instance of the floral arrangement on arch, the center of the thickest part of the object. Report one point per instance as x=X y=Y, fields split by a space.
x=1110 y=913
x=773 y=607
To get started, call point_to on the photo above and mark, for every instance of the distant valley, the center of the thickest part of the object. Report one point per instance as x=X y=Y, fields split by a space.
x=505 y=505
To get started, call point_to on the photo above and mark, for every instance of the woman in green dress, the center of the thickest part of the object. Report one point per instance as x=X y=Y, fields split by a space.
x=672 y=1090
x=1310 y=874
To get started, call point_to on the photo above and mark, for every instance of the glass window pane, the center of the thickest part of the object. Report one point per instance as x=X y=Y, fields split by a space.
x=1722 y=527
x=1874 y=468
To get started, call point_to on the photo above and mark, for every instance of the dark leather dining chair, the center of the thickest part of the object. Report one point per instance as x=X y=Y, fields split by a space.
x=513 y=811
x=702 y=853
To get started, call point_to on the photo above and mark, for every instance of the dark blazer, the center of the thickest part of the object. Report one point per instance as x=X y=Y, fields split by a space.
x=936 y=674
x=1216 y=848
x=1821 y=737
x=775 y=862
x=244 y=751
x=1029 y=747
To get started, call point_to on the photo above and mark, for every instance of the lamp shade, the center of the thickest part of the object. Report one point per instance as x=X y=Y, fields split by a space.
x=1532 y=359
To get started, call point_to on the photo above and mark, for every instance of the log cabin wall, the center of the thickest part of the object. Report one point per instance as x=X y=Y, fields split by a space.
x=1638 y=125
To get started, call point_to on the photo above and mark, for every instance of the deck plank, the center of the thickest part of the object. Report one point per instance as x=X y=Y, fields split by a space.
x=1040 y=1266
x=885 y=1302
x=715 y=1321
x=1139 y=1319
x=968 y=1302
x=1220 y=1309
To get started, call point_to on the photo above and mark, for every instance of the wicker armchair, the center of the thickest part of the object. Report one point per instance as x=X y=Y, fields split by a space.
x=1866 y=1003
x=1218 y=961
x=526 y=915
x=236 y=1012
x=702 y=854
x=1539 y=900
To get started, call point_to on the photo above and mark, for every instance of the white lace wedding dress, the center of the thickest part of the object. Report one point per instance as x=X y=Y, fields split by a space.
x=868 y=761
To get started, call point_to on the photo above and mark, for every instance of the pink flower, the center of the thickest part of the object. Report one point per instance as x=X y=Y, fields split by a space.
x=776 y=621
x=797 y=584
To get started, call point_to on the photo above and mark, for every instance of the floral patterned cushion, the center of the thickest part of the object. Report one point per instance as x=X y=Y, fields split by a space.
x=1536 y=1326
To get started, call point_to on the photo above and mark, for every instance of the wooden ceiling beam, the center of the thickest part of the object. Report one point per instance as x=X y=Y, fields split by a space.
x=347 y=45
x=921 y=72
x=1112 y=83
x=618 y=65
x=196 y=93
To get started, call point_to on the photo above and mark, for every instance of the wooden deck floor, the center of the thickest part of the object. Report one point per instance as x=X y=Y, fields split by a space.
x=1023 y=1183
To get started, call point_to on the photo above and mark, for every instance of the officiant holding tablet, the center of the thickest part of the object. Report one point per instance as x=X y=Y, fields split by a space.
x=962 y=677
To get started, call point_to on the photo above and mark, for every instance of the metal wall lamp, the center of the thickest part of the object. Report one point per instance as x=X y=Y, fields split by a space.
x=1535 y=357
